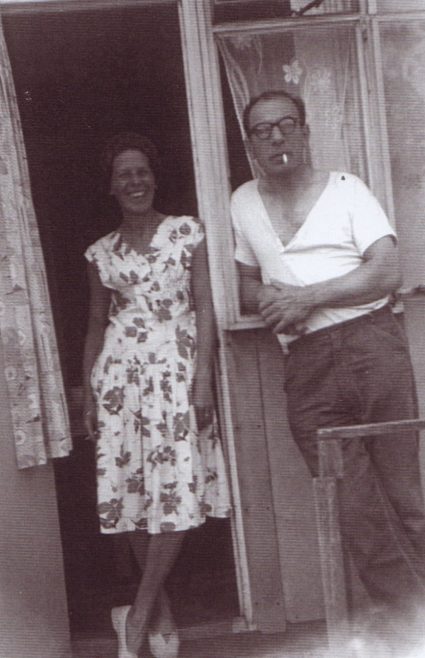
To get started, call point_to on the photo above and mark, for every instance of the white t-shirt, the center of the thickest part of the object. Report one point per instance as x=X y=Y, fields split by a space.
x=345 y=220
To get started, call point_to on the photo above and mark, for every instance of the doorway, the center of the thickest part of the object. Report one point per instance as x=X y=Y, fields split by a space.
x=81 y=77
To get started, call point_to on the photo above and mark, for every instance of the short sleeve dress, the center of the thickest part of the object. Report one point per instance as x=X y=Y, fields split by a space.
x=155 y=471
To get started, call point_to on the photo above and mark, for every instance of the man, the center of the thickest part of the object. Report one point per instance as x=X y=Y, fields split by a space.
x=318 y=260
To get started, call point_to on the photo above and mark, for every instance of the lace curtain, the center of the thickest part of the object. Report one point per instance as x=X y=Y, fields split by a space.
x=318 y=64
x=32 y=370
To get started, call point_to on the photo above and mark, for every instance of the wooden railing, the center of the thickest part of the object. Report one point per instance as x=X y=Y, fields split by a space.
x=326 y=496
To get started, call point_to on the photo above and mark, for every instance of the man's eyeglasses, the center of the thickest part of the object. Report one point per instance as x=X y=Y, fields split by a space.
x=264 y=130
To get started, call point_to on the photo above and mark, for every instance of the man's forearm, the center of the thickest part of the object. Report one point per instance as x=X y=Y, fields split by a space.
x=363 y=285
x=289 y=305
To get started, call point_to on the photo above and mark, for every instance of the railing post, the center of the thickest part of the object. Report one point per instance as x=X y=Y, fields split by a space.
x=326 y=499
x=334 y=562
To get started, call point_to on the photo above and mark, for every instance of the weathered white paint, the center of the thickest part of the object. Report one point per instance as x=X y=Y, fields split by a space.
x=207 y=124
x=403 y=62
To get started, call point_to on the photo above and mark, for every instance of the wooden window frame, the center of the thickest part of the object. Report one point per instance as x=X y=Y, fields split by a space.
x=209 y=137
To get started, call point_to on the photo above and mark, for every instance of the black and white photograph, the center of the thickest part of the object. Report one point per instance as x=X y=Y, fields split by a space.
x=212 y=328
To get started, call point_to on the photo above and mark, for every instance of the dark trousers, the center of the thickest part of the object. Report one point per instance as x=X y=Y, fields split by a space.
x=359 y=372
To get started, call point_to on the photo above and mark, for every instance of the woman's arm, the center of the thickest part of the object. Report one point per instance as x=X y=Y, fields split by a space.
x=98 y=317
x=206 y=342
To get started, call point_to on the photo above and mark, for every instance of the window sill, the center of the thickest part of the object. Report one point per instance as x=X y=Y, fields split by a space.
x=247 y=322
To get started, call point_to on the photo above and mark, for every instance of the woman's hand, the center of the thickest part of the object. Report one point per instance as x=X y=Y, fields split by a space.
x=90 y=420
x=203 y=401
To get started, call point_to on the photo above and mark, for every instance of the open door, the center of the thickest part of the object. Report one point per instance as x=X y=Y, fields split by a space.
x=82 y=76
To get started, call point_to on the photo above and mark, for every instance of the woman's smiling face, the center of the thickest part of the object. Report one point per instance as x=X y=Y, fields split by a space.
x=133 y=182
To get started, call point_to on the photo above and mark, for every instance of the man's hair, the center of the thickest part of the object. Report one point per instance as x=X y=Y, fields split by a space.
x=129 y=141
x=271 y=95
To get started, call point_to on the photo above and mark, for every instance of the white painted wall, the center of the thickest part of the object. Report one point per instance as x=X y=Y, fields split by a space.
x=33 y=612
x=403 y=55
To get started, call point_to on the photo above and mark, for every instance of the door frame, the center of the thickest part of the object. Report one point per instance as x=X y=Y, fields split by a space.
x=243 y=622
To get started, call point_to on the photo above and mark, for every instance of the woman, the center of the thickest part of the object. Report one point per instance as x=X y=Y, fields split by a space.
x=148 y=388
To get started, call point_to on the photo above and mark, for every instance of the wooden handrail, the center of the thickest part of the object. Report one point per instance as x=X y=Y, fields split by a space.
x=371 y=429
x=326 y=487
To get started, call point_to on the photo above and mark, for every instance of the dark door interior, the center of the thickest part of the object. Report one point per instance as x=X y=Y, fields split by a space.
x=81 y=77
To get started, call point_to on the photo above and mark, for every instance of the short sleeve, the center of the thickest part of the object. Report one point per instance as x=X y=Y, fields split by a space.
x=192 y=230
x=243 y=251
x=90 y=254
x=96 y=255
x=369 y=221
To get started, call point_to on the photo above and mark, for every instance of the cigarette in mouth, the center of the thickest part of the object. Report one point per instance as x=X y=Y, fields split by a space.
x=284 y=158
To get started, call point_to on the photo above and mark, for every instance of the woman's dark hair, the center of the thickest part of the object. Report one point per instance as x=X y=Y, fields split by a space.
x=125 y=141
x=271 y=95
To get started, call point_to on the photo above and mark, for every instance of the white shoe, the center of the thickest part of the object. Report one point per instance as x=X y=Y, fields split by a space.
x=164 y=645
x=119 y=617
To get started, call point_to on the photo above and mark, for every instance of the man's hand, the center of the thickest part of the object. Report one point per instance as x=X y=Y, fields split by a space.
x=284 y=307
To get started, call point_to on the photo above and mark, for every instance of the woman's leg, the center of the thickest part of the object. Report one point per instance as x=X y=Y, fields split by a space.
x=161 y=619
x=155 y=555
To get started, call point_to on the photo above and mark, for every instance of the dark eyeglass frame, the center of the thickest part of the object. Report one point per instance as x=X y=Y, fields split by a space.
x=264 y=129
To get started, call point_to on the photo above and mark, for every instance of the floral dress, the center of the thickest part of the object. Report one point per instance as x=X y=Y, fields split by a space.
x=155 y=471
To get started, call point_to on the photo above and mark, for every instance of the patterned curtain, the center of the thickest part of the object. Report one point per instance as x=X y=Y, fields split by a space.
x=32 y=370
x=320 y=65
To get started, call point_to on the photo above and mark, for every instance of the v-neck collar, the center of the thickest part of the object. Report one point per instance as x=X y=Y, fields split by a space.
x=151 y=248
x=306 y=220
